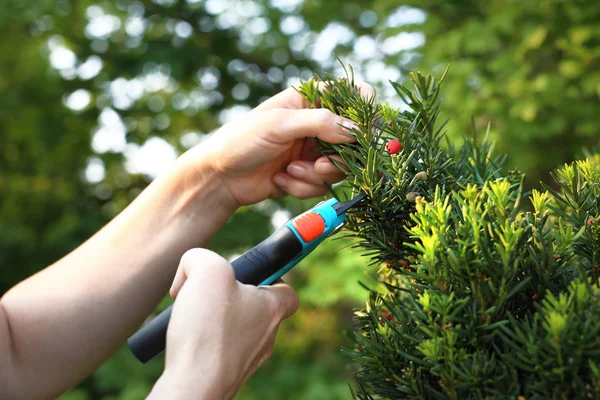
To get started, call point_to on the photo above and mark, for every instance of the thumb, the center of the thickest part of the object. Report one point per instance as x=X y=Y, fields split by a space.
x=197 y=261
x=284 y=299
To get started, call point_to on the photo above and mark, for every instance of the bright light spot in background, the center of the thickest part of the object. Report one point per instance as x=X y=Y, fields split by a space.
x=215 y=7
x=403 y=41
x=247 y=8
x=405 y=15
x=157 y=80
x=299 y=43
x=90 y=68
x=110 y=135
x=333 y=35
x=275 y=74
x=78 y=100
x=124 y=93
x=229 y=114
x=135 y=26
x=240 y=92
x=287 y=6
x=62 y=58
x=94 y=12
x=95 y=170
x=279 y=218
x=153 y=158
x=227 y=20
x=378 y=71
x=180 y=101
x=200 y=100
x=208 y=77
x=183 y=29
x=365 y=47
x=102 y=27
x=165 y=3
x=258 y=26
x=241 y=14
x=291 y=25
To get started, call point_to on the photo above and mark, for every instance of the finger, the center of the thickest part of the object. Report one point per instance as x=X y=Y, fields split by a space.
x=332 y=164
x=315 y=172
x=298 y=188
x=283 y=298
x=290 y=98
x=201 y=261
x=180 y=278
x=282 y=126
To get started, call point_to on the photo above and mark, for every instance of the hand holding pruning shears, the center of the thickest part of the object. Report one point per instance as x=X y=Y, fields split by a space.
x=78 y=311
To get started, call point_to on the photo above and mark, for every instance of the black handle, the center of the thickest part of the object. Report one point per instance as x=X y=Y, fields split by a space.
x=252 y=268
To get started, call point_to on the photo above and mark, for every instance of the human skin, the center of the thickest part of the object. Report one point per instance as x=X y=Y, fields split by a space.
x=78 y=311
x=207 y=357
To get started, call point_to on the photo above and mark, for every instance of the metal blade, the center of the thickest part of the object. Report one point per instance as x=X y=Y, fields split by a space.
x=341 y=208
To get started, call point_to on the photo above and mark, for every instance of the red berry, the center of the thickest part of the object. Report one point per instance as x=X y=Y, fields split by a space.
x=393 y=146
x=387 y=315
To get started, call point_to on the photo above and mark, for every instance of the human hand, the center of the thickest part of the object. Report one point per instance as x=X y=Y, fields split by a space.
x=221 y=331
x=268 y=153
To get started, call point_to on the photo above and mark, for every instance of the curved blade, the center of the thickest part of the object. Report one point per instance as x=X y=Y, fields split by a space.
x=341 y=208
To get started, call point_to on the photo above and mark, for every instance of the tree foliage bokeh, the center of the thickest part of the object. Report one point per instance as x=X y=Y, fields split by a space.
x=89 y=90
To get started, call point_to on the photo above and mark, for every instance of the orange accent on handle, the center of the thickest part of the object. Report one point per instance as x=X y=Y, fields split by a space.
x=310 y=226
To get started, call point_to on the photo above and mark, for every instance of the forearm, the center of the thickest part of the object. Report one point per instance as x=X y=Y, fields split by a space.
x=78 y=311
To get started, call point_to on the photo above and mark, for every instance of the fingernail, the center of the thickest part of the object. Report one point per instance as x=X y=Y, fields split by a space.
x=279 y=180
x=325 y=168
x=348 y=124
x=296 y=171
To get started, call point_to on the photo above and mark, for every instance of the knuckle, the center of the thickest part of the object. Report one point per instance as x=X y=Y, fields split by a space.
x=324 y=117
x=294 y=302
x=191 y=257
x=223 y=271
x=366 y=89
x=210 y=263
x=370 y=88
x=284 y=305
x=275 y=115
x=276 y=309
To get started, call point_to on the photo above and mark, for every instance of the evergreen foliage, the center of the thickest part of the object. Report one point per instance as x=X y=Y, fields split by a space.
x=491 y=292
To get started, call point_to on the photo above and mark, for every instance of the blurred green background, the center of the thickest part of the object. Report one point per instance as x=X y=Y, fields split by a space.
x=99 y=97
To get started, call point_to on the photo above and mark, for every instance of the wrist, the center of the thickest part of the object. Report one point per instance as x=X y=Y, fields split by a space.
x=200 y=188
x=179 y=210
x=167 y=387
x=181 y=386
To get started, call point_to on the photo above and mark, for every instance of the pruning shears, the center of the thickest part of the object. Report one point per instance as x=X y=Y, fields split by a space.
x=262 y=265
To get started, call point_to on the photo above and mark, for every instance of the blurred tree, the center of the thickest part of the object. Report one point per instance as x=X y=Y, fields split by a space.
x=528 y=68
